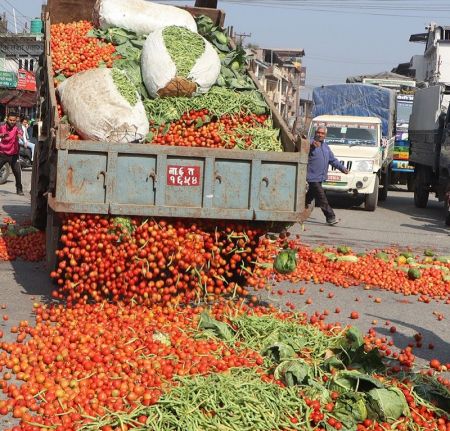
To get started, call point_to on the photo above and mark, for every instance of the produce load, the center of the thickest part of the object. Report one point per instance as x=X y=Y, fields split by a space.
x=128 y=367
x=177 y=62
x=102 y=105
x=140 y=16
x=153 y=262
x=179 y=75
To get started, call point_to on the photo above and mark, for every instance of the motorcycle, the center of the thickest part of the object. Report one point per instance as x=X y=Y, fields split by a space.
x=24 y=160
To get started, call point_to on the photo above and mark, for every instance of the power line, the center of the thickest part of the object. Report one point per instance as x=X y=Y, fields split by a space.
x=17 y=10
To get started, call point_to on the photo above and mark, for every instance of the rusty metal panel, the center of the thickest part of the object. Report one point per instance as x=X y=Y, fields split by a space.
x=153 y=180
x=232 y=184
x=85 y=177
x=135 y=180
x=278 y=186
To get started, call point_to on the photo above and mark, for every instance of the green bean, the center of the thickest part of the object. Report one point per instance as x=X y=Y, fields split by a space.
x=124 y=85
x=184 y=47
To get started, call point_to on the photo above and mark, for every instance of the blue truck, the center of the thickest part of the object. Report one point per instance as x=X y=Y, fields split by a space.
x=152 y=180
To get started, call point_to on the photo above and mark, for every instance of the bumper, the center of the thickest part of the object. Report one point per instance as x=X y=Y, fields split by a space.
x=360 y=182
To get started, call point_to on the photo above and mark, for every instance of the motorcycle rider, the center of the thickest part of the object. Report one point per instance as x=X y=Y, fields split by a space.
x=10 y=133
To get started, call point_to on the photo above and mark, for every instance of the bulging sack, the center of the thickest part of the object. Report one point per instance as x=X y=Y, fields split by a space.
x=177 y=62
x=102 y=105
x=140 y=16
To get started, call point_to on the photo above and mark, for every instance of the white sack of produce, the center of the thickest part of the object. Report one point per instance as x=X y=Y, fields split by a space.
x=177 y=62
x=140 y=16
x=99 y=111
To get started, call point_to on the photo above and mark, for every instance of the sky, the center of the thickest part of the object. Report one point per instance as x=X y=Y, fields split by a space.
x=341 y=38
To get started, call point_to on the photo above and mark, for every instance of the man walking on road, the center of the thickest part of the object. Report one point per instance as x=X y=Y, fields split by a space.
x=320 y=156
x=10 y=133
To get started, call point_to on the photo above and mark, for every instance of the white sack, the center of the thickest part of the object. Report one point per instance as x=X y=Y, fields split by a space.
x=98 y=111
x=158 y=69
x=140 y=16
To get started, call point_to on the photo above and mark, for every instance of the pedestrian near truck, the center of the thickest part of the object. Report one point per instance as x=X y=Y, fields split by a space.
x=10 y=133
x=320 y=156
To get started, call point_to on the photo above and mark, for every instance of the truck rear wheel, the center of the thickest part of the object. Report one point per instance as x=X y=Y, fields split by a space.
x=371 y=200
x=421 y=188
x=386 y=179
x=39 y=185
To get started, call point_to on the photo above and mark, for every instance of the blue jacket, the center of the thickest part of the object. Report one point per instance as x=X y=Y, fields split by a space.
x=318 y=161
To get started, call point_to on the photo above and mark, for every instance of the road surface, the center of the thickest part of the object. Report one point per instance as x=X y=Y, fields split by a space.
x=395 y=222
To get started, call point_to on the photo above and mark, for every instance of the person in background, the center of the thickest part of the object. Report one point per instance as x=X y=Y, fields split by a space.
x=320 y=156
x=25 y=140
x=10 y=133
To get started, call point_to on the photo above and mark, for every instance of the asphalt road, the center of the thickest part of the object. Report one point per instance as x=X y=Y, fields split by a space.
x=395 y=222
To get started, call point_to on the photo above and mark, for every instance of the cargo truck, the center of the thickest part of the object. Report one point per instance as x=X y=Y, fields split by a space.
x=429 y=134
x=138 y=179
x=360 y=119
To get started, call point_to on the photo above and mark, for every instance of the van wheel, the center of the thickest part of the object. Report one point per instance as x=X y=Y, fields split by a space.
x=371 y=200
x=421 y=188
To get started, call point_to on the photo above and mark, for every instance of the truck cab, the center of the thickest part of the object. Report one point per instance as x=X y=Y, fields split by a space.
x=357 y=142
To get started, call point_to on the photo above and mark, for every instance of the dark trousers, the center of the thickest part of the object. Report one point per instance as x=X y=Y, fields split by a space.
x=15 y=166
x=317 y=193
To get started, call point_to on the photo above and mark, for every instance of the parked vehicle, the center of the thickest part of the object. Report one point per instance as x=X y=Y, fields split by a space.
x=360 y=120
x=151 y=180
x=429 y=133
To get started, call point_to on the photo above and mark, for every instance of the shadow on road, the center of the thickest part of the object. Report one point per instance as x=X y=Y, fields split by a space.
x=429 y=337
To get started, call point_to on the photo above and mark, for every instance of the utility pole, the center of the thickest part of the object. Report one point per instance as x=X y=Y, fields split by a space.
x=15 y=22
x=241 y=37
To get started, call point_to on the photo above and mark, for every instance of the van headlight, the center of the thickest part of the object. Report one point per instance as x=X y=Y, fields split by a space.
x=362 y=166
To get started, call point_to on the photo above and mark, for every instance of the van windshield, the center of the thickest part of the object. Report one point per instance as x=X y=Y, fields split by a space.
x=347 y=135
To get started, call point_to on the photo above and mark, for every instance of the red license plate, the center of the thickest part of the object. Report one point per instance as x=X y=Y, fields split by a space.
x=183 y=176
x=333 y=178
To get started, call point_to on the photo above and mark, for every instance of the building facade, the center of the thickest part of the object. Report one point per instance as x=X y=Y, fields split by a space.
x=281 y=75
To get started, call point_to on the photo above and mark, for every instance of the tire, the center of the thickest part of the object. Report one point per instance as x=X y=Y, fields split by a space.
x=39 y=185
x=52 y=235
x=371 y=200
x=421 y=188
x=4 y=173
x=383 y=192
x=410 y=182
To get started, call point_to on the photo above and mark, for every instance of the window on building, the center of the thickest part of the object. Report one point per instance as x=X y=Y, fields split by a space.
x=31 y=64
x=447 y=34
x=26 y=65
x=20 y=63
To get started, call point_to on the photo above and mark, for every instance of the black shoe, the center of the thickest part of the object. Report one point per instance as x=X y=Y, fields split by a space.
x=332 y=221
x=20 y=192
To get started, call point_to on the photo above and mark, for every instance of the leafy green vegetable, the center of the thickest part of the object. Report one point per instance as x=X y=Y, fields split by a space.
x=344 y=249
x=350 y=409
x=124 y=223
x=219 y=329
x=387 y=404
x=294 y=372
x=286 y=261
x=184 y=47
x=279 y=352
x=354 y=380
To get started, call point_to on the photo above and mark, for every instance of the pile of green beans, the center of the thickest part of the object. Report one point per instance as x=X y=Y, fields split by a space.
x=218 y=101
x=125 y=86
x=184 y=47
x=238 y=400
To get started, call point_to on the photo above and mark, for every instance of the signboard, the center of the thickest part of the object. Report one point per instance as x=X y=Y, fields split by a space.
x=392 y=83
x=8 y=79
x=26 y=80
x=183 y=175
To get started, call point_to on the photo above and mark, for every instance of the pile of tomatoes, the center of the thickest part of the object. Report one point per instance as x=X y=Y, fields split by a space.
x=74 y=51
x=149 y=261
x=29 y=247
x=196 y=129
x=369 y=270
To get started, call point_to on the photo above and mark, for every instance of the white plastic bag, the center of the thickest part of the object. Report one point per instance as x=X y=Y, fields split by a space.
x=140 y=16
x=98 y=111
x=160 y=75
